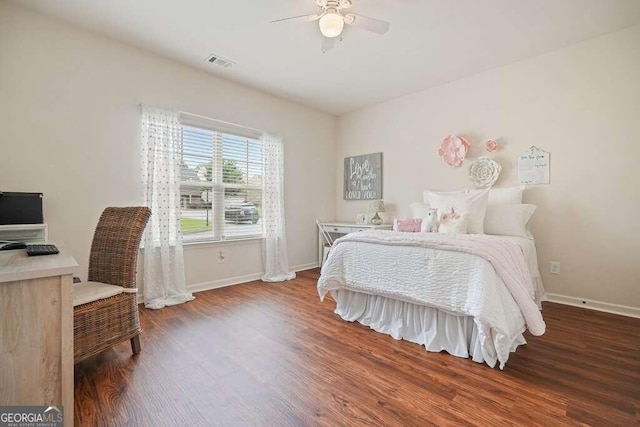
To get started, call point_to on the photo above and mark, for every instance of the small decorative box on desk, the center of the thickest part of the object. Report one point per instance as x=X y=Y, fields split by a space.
x=339 y=229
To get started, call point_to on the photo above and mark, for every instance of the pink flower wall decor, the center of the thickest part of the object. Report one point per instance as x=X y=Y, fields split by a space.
x=491 y=146
x=453 y=150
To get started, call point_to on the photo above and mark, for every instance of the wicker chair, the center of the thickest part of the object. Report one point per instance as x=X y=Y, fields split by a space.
x=105 y=309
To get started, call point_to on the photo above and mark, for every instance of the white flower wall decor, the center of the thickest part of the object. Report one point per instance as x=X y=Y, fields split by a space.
x=484 y=172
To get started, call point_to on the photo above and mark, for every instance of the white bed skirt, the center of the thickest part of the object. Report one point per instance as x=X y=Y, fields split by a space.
x=435 y=329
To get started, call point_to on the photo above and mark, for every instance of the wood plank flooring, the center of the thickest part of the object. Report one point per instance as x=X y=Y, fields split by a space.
x=272 y=354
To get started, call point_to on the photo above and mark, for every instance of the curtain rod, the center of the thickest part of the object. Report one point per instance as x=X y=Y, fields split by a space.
x=222 y=122
x=198 y=116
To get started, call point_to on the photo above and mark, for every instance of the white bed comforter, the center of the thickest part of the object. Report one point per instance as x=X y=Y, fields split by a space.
x=481 y=276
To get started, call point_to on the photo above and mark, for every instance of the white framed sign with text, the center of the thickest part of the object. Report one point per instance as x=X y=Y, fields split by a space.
x=533 y=167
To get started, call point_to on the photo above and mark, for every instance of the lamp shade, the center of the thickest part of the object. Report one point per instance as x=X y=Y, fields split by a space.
x=376 y=206
x=331 y=24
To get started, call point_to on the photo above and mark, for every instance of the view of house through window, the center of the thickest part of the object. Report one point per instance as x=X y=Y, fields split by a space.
x=221 y=185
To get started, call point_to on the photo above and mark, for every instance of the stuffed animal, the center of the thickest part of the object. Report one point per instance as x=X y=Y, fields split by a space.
x=453 y=222
x=430 y=222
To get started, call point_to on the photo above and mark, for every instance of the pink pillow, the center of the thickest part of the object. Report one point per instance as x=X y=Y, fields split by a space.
x=409 y=225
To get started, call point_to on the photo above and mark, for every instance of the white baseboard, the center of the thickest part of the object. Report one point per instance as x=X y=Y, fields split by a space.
x=221 y=283
x=303 y=267
x=595 y=305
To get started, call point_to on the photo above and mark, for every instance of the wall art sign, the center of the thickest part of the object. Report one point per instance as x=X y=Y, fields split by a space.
x=533 y=167
x=363 y=177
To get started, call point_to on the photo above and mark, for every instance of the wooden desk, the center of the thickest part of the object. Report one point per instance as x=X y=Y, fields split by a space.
x=36 y=330
x=339 y=229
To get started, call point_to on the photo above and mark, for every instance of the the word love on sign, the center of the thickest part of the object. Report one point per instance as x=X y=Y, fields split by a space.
x=363 y=177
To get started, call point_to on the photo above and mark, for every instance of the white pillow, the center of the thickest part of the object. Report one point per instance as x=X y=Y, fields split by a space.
x=506 y=196
x=419 y=209
x=457 y=225
x=472 y=201
x=509 y=220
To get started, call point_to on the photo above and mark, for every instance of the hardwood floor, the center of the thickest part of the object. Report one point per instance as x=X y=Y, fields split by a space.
x=272 y=354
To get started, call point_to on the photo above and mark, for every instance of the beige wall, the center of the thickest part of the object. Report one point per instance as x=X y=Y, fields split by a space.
x=582 y=104
x=69 y=127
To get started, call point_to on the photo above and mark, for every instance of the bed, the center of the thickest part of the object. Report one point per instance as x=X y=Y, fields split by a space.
x=469 y=295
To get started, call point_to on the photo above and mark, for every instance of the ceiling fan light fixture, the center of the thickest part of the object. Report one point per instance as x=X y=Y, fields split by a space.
x=331 y=24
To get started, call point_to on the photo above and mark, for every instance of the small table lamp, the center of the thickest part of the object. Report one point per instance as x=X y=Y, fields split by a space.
x=376 y=206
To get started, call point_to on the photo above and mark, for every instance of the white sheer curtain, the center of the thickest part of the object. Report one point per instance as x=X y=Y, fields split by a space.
x=164 y=282
x=274 y=253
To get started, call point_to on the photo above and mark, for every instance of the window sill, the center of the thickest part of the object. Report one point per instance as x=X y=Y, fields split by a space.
x=201 y=244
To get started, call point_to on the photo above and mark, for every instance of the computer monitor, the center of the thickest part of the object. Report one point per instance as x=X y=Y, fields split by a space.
x=20 y=208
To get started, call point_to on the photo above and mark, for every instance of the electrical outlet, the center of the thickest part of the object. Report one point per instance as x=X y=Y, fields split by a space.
x=554 y=268
x=220 y=257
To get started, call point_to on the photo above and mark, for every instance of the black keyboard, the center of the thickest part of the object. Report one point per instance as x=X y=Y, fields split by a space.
x=33 y=250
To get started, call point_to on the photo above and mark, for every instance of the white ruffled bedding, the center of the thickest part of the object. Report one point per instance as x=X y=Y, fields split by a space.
x=453 y=282
x=435 y=329
x=528 y=247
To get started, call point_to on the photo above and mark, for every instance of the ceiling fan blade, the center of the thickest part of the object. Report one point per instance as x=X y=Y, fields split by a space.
x=366 y=23
x=327 y=43
x=312 y=17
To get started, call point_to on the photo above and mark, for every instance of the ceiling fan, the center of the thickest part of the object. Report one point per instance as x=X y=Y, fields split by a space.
x=331 y=21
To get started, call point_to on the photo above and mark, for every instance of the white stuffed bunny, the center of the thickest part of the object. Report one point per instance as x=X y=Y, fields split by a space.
x=430 y=222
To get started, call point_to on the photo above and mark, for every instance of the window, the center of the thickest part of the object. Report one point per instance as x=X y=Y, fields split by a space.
x=221 y=182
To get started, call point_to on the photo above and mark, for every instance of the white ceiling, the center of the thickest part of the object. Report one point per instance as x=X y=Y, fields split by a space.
x=430 y=41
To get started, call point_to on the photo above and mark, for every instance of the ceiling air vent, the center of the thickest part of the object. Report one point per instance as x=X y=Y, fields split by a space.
x=224 y=63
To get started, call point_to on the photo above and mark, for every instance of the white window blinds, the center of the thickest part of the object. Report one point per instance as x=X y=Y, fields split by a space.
x=221 y=181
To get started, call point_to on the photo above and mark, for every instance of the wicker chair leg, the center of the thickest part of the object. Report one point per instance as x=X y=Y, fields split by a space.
x=135 y=344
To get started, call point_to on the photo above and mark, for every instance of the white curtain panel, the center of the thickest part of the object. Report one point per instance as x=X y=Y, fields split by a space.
x=274 y=252
x=164 y=282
